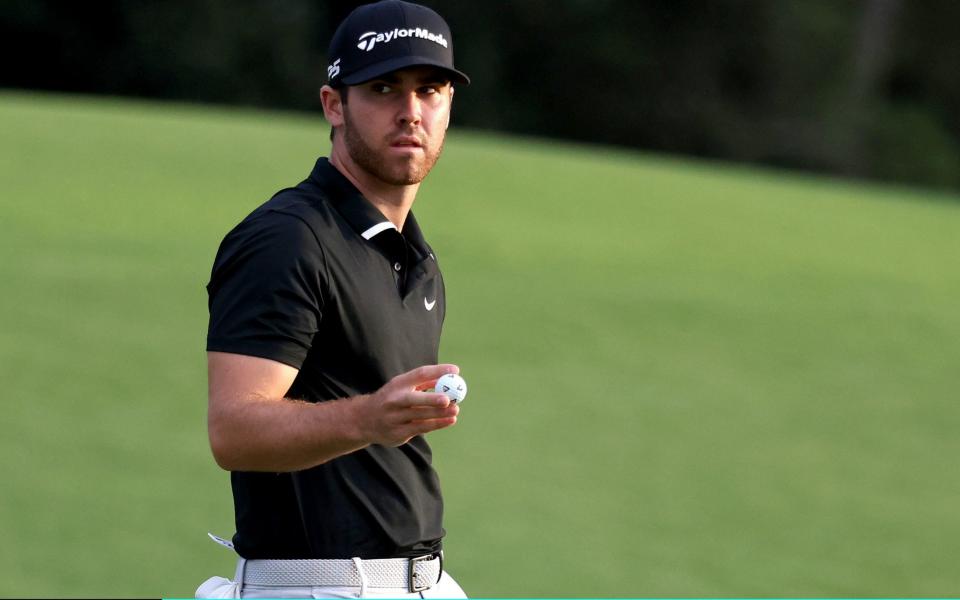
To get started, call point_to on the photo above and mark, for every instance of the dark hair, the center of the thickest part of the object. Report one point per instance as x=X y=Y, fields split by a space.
x=342 y=90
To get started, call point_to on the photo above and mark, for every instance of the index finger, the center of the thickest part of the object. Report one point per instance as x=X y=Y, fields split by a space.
x=423 y=375
x=423 y=400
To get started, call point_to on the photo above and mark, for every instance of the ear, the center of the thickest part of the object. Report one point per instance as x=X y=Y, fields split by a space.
x=449 y=109
x=332 y=105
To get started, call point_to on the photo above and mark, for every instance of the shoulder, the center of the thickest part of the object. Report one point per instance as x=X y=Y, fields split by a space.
x=299 y=216
x=279 y=231
x=295 y=227
x=271 y=241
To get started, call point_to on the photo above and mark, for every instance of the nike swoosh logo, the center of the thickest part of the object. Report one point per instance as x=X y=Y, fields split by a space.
x=428 y=305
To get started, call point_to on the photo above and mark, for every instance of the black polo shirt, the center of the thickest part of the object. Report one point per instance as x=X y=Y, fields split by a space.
x=319 y=279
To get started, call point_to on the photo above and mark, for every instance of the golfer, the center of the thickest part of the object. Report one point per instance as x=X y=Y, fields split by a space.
x=326 y=306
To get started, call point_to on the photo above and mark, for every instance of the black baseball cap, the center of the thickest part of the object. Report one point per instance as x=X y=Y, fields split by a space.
x=376 y=39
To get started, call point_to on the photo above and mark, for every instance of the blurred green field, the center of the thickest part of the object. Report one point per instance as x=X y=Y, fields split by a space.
x=686 y=379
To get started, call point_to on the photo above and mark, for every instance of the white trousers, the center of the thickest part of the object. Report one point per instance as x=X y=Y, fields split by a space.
x=221 y=587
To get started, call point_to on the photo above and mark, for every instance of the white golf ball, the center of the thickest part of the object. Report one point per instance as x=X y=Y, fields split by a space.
x=453 y=386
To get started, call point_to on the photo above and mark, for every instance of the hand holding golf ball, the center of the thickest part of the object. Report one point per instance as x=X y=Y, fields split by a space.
x=406 y=406
x=453 y=386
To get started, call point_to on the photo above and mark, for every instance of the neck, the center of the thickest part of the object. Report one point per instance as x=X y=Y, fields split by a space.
x=394 y=201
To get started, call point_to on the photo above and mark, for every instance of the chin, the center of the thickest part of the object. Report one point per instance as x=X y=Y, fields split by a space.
x=410 y=179
x=408 y=174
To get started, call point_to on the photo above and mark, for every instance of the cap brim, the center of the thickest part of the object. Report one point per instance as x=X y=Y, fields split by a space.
x=395 y=64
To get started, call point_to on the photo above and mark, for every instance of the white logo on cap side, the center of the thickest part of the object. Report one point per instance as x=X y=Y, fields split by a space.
x=334 y=69
x=369 y=39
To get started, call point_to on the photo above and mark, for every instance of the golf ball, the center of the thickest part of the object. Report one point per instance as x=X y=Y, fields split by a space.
x=453 y=386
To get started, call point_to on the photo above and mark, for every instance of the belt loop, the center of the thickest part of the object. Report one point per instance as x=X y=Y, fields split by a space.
x=363 y=576
x=238 y=577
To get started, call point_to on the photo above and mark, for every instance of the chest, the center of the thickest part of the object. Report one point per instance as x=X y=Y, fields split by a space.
x=383 y=315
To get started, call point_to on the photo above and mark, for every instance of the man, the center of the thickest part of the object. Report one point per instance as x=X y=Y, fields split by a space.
x=326 y=306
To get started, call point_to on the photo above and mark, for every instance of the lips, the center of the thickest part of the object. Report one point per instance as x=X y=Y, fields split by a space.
x=406 y=142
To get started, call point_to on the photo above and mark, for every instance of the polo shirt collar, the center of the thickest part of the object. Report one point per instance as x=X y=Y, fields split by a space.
x=349 y=202
x=363 y=216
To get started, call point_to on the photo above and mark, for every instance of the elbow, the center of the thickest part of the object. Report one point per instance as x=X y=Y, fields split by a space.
x=221 y=446
x=222 y=457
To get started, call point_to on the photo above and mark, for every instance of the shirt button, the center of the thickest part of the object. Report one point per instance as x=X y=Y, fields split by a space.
x=397 y=266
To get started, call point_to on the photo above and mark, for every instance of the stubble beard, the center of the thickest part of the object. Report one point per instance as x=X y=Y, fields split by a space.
x=402 y=172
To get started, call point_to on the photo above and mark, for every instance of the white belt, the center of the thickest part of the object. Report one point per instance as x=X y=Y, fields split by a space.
x=412 y=574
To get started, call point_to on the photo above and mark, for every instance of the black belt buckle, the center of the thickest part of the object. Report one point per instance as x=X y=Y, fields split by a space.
x=412 y=585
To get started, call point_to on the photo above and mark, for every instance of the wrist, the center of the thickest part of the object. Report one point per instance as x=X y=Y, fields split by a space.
x=352 y=422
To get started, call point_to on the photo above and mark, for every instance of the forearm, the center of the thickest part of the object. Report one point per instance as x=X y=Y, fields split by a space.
x=253 y=428
x=280 y=434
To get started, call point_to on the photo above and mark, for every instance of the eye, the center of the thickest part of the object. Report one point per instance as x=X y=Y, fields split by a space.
x=433 y=88
x=381 y=88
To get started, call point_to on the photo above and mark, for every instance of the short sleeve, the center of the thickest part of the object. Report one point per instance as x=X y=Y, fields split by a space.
x=265 y=290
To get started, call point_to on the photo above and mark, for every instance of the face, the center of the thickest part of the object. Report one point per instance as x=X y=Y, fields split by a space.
x=394 y=126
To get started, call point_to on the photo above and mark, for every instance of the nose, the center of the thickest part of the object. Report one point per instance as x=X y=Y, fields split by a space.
x=410 y=110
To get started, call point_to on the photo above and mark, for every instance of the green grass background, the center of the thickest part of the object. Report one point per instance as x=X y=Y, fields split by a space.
x=686 y=379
